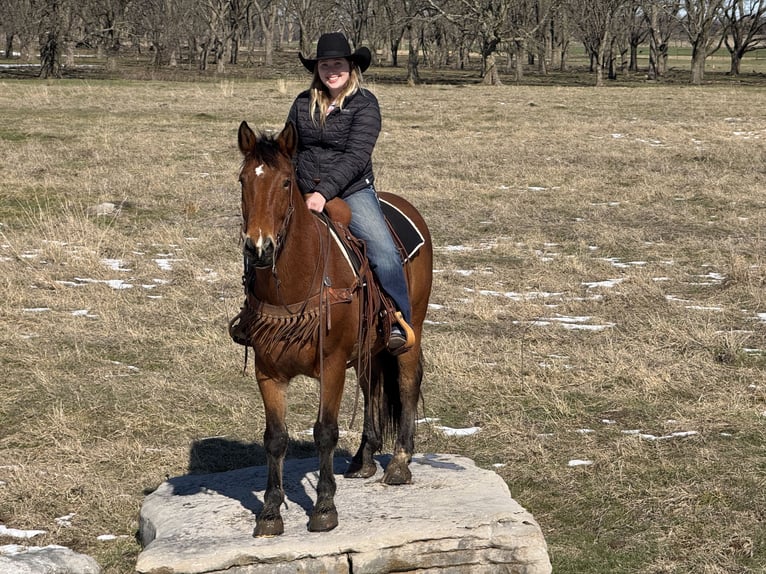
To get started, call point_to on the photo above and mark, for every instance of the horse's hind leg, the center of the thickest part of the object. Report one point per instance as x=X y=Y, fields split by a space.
x=363 y=463
x=325 y=516
x=410 y=378
x=269 y=520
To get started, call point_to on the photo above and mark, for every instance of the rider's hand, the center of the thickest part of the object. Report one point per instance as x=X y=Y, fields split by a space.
x=315 y=201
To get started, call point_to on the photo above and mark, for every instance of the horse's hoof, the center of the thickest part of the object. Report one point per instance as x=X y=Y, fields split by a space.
x=397 y=474
x=359 y=470
x=268 y=527
x=323 y=521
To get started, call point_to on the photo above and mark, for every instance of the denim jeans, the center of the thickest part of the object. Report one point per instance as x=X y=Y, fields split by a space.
x=368 y=223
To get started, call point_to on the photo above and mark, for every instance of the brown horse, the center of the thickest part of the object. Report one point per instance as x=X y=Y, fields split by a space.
x=306 y=313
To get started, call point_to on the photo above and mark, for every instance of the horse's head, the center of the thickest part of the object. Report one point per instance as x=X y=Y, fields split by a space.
x=266 y=179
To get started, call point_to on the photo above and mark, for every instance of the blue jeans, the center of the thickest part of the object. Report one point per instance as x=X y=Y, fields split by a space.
x=368 y=223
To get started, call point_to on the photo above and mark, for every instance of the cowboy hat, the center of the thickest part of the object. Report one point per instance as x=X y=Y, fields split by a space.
x=335 y=45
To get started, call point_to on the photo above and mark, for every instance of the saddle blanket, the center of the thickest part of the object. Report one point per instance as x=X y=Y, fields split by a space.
x=406 y=230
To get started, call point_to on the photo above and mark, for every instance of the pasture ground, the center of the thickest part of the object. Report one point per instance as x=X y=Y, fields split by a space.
x=599 y=297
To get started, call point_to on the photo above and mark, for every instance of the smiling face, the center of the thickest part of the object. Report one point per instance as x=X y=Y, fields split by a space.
x=334 y=74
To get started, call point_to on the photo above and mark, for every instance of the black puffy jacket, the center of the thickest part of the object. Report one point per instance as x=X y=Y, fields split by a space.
x=336 y=159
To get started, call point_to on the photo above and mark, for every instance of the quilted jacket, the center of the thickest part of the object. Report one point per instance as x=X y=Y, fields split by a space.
x=336 y=159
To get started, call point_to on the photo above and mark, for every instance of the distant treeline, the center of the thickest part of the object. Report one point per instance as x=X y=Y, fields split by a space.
x=525 y=34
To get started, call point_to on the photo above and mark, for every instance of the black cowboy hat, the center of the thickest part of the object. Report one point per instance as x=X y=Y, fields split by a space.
x=335 y=45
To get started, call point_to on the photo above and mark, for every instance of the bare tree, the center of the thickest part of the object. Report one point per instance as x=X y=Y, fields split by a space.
x=19 y=21
x=266 y=15
x=490 y=21
x=224 y=21
x=745 y=29
x=58 y=19
x=158 y=21
x=392 y=17
x=312 y=17
x=106 y=25
x=700 y=15
x=596 y=21
x=355 y=16
x=528 y=21
x=637 y=31
x=561 y=35
x=662 y=18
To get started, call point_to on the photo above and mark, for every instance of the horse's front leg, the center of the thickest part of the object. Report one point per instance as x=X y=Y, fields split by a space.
x=325 y=516
x=273 y=392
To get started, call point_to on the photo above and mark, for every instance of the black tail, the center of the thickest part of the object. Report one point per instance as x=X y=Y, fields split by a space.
x=388 y=396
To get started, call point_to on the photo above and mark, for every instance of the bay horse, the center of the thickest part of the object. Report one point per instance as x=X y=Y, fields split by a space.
x=306 y=309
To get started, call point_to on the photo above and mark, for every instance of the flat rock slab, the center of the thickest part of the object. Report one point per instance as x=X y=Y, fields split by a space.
x=453 y=518
x=16 y=559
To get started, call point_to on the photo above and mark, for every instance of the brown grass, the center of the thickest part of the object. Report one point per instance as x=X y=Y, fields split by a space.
x=535 y=195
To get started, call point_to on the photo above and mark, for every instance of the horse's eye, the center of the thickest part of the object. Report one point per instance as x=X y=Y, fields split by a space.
x=286 y=183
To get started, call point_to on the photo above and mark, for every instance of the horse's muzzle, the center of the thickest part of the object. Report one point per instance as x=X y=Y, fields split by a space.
x=260 y=254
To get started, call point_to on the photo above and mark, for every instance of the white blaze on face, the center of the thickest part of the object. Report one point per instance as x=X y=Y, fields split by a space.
x=259 y=243
x=259 y=171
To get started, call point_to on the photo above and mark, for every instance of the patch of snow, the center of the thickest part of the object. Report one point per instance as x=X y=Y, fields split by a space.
x=448 y=431
x=108 y=537
x=166 y=264
x=84 y=313
x=115 y=264
x=117 y=284
x=17 y=533
x=65 y=521
x=607 y=283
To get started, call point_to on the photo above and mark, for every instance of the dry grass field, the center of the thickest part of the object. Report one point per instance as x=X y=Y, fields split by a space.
x=599 y=309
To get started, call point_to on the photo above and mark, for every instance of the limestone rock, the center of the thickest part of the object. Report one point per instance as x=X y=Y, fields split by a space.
x=105 y=208
x=45 y=560
x=454 y=518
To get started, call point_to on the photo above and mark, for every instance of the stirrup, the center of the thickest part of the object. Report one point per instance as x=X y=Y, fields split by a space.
x=402 y=341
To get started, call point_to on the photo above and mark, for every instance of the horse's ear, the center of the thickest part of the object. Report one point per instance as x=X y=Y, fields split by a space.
x=245 y=138
x=288 y=139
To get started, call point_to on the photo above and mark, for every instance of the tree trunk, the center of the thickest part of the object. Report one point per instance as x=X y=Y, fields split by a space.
x=203 y=55
x=491 y=75
x=545 y=54
x=602 y=51
x=413 y=75
x=50 y=57
x=736 y=62
x=518 y=68
x=234 y=57
x=69 y=54
x=699 y=53
x=394 y=47
x=633 y=60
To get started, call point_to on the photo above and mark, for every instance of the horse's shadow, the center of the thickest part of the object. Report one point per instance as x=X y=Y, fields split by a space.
x=237 y=470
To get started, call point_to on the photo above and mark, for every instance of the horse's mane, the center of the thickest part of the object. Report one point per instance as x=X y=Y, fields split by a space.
x=266 y=149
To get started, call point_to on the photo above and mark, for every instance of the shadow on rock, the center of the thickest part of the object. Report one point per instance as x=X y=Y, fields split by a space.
x=237 y=470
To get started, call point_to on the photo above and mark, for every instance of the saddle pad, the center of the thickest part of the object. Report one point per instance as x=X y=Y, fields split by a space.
x=403 y=226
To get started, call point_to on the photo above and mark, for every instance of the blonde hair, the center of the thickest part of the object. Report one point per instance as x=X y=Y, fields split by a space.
x=320 y=95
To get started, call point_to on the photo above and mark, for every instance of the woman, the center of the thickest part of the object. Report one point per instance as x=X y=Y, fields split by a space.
x=338 y=123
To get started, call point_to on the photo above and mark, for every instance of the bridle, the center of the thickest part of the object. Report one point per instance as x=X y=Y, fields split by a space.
x=248 y=278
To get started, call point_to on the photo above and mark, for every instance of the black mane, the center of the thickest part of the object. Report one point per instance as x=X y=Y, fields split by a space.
x=266 y=149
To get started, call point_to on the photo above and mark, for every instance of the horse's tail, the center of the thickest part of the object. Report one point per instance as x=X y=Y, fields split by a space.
x=394 y=398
